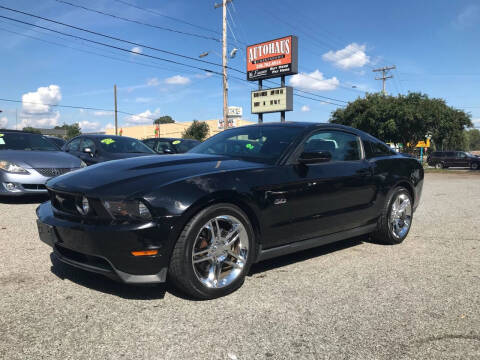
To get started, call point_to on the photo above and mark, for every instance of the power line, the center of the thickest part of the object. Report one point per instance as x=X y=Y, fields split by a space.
x=166 y=16
x=138 y=22
x=102 y=35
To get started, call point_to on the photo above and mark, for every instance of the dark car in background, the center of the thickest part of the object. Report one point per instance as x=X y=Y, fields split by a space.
x=56 y=140
x=28 y=161
x=93 y=149
x=201 y=219
x=446 y=159
x=171 y=145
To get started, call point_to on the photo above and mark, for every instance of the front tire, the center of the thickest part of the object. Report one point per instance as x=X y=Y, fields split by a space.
x=439 y=165
x=474 y=166
x=213 y=253
x=396 y=218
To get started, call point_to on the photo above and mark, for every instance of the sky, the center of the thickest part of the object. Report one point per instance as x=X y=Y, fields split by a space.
x=433 y=44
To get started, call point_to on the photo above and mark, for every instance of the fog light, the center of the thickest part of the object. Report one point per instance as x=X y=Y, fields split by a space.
x=10 y=186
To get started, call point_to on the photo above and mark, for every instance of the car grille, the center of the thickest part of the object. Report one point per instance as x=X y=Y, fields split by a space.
x=52 y=172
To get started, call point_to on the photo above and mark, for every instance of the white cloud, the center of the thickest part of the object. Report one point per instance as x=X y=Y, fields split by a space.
x=89 y=125
x=108 y=126
x=153 y=82
x=145 y=117
x=103 y=113
x=137 y=50
x=3 y=122
x=143 y=100
x=476 y=123
x=37 y=107
x=314 y=81
x=468 y=17
x=305 y=108
x=352 y=56
x=177 y=80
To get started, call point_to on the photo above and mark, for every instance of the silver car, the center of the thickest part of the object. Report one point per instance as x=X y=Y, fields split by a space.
x=28 y=160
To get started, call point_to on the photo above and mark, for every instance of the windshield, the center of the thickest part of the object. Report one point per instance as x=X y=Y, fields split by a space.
x=124 y=145
x=254 y=143
x=183 y=146
x=25 y=141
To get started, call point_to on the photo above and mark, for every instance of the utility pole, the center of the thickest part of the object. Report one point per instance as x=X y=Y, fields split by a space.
x=384 y=76
x=224 y=61
x=116 y=119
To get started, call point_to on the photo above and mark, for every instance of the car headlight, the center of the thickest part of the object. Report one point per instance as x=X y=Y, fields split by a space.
x=82 y=164
x=12 y=167
x=127 y=210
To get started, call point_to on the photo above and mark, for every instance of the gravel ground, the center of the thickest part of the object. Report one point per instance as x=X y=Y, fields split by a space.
x=350 y=300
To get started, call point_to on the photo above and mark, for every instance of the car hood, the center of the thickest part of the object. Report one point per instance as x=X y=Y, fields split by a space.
x=40 y=159
x=129 y=177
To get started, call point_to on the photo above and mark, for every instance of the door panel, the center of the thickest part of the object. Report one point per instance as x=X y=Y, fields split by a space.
x=318 y=199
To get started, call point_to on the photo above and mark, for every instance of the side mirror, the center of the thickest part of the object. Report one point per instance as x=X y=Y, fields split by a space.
x=315 y=157
x=88 y=151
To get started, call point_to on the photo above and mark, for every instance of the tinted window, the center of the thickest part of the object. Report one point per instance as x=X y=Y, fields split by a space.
x=74 y=145
x=57 y=141
x=123 y=145
x=150 y=143
x=461 y=155
x=88 y=143
x=342 y=146
x=184 y=145
x=161 y=146
x=449 y=154
x=25 y=141
x=254 y=143
x=376 y=149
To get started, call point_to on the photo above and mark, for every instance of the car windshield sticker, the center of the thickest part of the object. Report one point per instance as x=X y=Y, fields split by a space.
x=176 y=142
x=2 y=142
x=1 y=135
x=107 y=141
x=249 y=146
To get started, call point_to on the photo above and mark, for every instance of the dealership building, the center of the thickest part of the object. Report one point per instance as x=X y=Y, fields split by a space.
x=173 y=130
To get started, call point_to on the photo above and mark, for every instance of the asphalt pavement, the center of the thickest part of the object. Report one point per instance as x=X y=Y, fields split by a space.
x=350 y=300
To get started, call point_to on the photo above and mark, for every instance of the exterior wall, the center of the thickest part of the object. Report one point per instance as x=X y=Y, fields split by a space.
x=174 y=130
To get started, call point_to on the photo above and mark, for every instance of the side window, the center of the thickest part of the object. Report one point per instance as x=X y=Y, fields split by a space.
x=376 y=149
x=162 y=145
x=342 y=146
x=87 y=143
x=449 y=154
x=150 y=143
x=461 y=155
x=74 y=145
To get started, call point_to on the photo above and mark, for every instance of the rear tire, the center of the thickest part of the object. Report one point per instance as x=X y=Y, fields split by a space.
x=396 y=219
x=207 y=262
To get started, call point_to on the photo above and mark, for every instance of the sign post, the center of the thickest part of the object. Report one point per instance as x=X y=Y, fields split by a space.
x=271 y=59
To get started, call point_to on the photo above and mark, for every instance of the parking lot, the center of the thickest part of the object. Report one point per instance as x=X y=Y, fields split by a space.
x=350 y=300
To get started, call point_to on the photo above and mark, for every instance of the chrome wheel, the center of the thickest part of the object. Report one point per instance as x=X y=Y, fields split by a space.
x=400 y=216
x=439 y=165
x=220 y=251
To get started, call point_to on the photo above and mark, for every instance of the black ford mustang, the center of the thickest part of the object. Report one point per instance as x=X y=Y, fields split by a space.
x=247 y=194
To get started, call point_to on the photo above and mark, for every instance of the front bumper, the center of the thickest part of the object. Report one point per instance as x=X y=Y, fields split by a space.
x=106 y=249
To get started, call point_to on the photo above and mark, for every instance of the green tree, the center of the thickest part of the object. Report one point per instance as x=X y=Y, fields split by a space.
x=406 y=119
x=198 y=130
x=166 y=119
x=473 y=139
x=31 y=130
x=72 y=130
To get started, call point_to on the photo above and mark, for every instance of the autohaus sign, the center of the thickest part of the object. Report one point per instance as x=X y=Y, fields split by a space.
x=273 y=58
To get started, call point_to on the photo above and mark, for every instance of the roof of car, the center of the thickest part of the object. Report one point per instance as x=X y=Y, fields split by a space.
x=18 y=131
x=99 y=136
x=312 y=125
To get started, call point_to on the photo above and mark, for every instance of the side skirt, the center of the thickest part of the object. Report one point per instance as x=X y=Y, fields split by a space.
x=311 y=243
